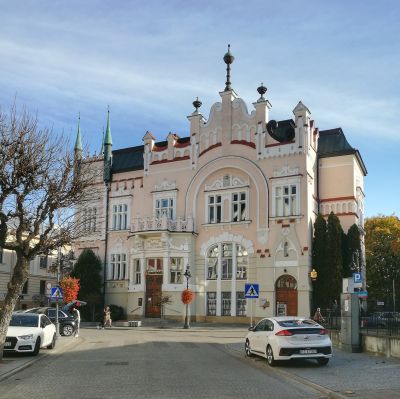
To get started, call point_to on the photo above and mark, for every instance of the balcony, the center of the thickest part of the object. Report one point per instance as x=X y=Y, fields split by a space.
x=162 y=224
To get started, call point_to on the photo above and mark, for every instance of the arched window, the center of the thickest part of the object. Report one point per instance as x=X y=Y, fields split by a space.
x=287 y=282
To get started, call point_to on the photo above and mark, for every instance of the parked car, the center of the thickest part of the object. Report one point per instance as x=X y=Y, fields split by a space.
x=29 y=332
x=66 y=320
x=286 y=338
x=381 y=319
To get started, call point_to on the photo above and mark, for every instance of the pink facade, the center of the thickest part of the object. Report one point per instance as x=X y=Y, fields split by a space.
x=235 y=201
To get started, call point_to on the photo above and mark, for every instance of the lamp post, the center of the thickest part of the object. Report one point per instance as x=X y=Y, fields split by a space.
x=313 y=276
x=187 y=275
x=63 y=266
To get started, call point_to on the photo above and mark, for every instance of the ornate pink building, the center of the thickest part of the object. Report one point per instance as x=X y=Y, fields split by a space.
x=235 y=201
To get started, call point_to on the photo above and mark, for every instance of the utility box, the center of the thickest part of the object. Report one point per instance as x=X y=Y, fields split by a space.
x=350 y=323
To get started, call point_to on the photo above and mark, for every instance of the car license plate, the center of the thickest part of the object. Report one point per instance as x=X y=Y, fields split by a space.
x=7 y=343
x=307 y=351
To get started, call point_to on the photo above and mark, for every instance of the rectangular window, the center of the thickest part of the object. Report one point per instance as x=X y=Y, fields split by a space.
x=89 y=219
x=138 y=272
x=241 y=259
x=176 y=270
x=286 y=200
x=118 y=267
x=42 y=287
x=226 y=304
x=43 y=261
x=120 y=217
x=226 y=261
x=25 y=289
x=165 y=207
x=214 y=209
x=239 y=204
x=154 y=265
x=240 y=304
x=211 y=303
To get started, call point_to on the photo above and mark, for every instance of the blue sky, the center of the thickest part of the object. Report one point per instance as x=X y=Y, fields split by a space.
x=149 y=60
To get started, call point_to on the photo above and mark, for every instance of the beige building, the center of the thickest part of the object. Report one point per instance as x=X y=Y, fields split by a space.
x=38 y=286
x=234 y=200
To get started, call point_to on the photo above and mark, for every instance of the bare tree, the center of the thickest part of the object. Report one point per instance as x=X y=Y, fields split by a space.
x=40 y=186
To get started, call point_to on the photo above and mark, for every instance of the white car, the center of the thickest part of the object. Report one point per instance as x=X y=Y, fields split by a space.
x=28 y=332
x=285 y=338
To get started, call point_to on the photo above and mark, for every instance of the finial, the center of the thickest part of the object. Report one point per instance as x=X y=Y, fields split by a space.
x=261 y=90
x=197 y=104
x=228 y=59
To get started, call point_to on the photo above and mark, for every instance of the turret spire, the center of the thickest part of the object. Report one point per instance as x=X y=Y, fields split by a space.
x=228 y=59
x=107 y=138
x=107 y=150
x=78 y=142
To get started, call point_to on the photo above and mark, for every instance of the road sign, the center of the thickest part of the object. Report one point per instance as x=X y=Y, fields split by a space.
x=362 y=294
x=357 y=277
x=56 y=293
x=251 y=290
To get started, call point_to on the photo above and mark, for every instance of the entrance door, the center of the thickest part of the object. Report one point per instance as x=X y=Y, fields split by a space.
x=153 y=295
x=286 y=296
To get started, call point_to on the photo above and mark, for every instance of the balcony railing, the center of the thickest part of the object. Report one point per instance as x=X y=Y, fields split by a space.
x=162 y=224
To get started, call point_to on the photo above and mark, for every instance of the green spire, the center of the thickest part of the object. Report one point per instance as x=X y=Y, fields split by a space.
x=107 y=139
x=78 y=142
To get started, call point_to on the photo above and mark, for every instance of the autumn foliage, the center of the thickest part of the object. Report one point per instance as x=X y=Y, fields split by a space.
x=187 y=296
x=70 y=287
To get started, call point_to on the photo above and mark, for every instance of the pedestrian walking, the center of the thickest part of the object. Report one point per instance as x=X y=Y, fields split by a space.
x=77 y=315
x=107 y=317
x=318 y=316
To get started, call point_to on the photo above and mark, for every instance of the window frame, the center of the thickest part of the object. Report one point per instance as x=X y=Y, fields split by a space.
x=293 y=200
x=119 y=216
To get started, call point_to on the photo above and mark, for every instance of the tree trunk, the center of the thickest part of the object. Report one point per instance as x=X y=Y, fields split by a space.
x=15 y=286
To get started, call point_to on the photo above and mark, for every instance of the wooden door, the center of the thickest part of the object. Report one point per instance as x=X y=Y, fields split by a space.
x=153 y=295
x=286 y=295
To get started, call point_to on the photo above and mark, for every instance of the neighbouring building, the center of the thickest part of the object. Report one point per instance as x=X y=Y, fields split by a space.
x=42 y=277
x=234 y=200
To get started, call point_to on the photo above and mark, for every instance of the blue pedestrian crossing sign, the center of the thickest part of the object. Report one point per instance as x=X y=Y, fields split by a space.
x=357 y=277
x=56 y=293
x=251 y=290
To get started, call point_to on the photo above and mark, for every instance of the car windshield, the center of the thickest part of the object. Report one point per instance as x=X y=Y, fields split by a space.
x=21 y=320
x=297 y=323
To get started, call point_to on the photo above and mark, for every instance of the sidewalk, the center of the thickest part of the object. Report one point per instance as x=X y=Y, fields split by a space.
x=13 y=363
x=353 y=375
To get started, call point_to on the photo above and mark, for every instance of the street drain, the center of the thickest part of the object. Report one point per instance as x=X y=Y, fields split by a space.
x=117 y=363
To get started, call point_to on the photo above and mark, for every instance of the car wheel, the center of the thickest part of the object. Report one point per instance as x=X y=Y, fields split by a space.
x=323 y=361
x=37 y=347
x=53 y=343
x=67 y=330
x=270 y=357
x=247 y=348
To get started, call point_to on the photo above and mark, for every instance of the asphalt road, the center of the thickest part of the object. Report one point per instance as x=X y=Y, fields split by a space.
x=154 y=363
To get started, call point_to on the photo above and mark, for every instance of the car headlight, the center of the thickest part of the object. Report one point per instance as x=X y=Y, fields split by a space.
x=29 y=336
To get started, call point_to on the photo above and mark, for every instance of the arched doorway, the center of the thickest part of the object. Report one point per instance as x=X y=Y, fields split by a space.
x=286 y=296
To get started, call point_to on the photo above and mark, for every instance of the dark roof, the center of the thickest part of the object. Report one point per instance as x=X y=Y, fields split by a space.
x=128 y=159
x=333 y=143
x=131 y=158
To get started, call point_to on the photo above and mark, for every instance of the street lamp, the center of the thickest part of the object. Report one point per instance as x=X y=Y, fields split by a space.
x=187 y=275
x=313 y=276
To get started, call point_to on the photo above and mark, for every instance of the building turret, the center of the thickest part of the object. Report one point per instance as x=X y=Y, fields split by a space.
x=107 y=151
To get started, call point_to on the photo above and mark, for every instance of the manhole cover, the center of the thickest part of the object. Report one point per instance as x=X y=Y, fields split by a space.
x=117 y=363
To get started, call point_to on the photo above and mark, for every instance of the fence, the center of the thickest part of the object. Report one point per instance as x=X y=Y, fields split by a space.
x=383 y=323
